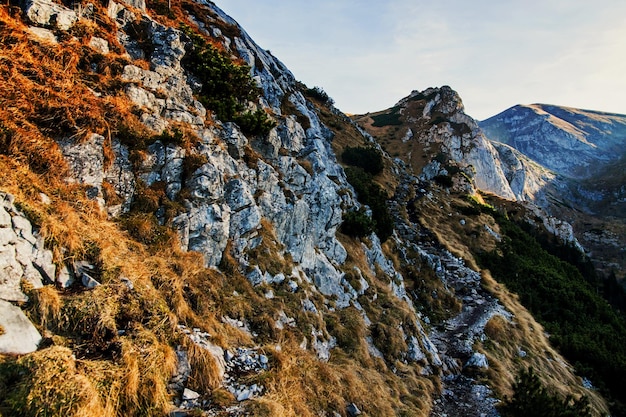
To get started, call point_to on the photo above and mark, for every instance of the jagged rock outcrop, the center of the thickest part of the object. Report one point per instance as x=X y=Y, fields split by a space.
x=23 y=259
x=435 y=133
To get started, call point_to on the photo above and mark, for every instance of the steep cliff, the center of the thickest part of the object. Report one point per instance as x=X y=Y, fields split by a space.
x=175 y=210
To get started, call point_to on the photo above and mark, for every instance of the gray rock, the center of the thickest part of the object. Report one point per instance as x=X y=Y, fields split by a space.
x=65 y=279
x=478 y=360
x=20 y=336
x=22 y=253
x=190 y=395
x=43 y=34
x=49 y=14
x=353 y=410
x=88 y=281
x=99 y=45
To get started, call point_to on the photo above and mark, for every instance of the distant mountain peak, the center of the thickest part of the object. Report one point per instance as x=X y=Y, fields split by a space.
x=566 y=140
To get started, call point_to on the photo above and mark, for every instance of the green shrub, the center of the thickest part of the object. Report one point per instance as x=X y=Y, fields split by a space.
x=357 y=223
x=388 y=119
x=444 y=180
x=319 y=94
x=369 y=193
x=257 y=123
x=369 y=159
x=226 y=86
x=531 y=398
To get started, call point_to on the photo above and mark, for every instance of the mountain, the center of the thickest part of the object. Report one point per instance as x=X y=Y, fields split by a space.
x=583 y=151
x=571 y=142
x=186 y=229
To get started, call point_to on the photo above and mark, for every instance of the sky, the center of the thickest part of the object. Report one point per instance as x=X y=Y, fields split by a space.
x=368 y=54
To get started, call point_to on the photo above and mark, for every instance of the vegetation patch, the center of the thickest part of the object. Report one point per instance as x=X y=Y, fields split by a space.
x=531 y=398
x=369 y=159
x=318 y=93
x=226 y=86
x=370 y=193
x=357 y=223
x=388 y=119
x=582 y=325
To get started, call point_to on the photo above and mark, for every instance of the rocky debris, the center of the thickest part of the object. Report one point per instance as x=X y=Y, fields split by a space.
x=22 y=253
x=241 y=364
x=462 y=396
x=18 y=335
x=49 y=14
x=237 y=368
x=201 y=339
x=450 y=345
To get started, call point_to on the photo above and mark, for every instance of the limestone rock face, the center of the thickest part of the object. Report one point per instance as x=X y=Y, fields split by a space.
x=464 y=142
x=22 y=253
x=87 y=166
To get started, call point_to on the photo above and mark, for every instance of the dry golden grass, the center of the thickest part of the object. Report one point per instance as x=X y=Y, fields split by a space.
x=48 y=382
x=47 y=305
x=525 y=333
x=204 y=375
x=301 y=385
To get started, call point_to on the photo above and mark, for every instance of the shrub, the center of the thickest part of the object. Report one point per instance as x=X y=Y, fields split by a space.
x=444 y=180
x=369 y=159
x=257 y=123
x=319 y=94
x=388 y=119
x=531 y=398
x=226 y=86
x=357 y=223
x=370 y=193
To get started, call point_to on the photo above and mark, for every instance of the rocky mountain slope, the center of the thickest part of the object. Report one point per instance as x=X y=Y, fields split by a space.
x=179 y=236
x=571 y=142
x=585 y=152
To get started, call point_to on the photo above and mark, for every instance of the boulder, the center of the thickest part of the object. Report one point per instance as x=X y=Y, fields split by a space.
x=18 y=336
x=49 y=14
x=22 y=253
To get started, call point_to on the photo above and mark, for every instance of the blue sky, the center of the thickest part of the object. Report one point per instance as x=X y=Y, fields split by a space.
x=368 y=54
